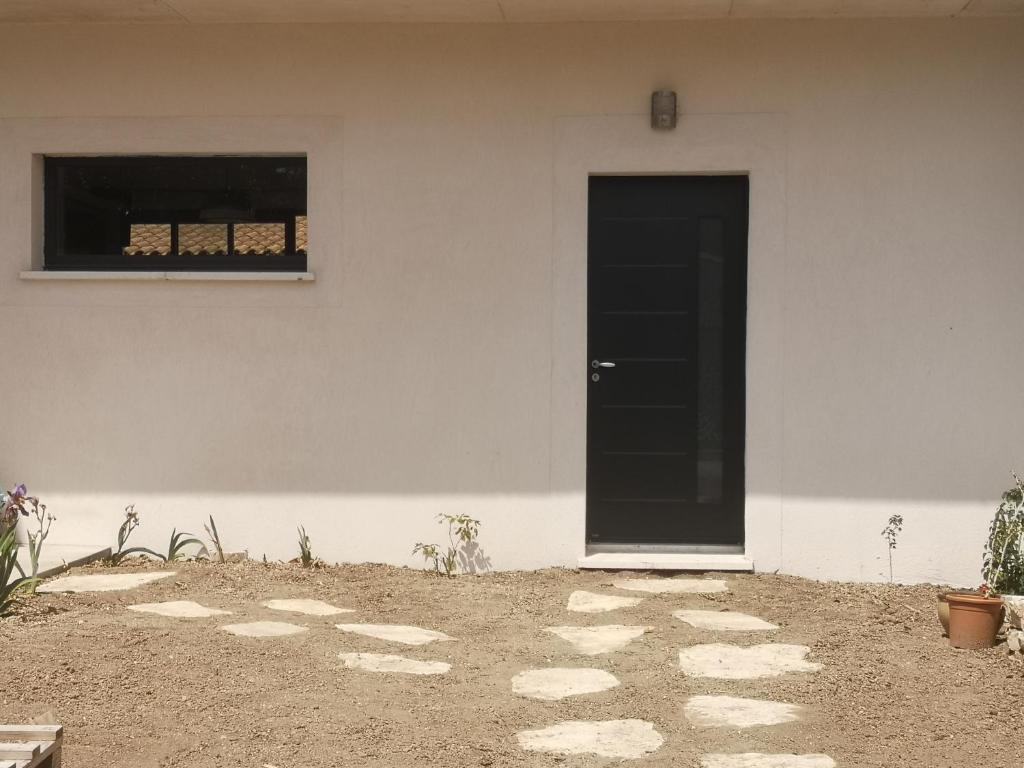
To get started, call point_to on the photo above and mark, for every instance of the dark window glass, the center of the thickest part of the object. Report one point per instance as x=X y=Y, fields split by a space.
x=175 y=213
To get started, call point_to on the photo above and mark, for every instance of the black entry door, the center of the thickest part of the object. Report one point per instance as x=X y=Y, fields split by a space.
x=666 y=338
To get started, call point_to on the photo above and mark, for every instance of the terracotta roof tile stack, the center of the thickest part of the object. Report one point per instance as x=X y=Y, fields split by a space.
x=198 y=239
x=149 y=239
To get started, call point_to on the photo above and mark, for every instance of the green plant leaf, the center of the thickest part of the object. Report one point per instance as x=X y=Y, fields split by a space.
x=9 y=587
x=179 y=542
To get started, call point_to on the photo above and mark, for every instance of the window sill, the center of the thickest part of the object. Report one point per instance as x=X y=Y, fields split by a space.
x=244 y=277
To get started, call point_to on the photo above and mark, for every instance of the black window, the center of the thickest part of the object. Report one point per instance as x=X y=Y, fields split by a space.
x=175 y=213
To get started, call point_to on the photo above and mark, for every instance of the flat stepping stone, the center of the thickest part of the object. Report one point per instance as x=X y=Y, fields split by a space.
x=558 y=683
x=179 y=609
x=382 y=662
x=264 y=629
x=673 y=586
x=725 y=621
x=621 y=739
x=732 y=662
x=718 y=711
x=396 y=633
x=591 y=602
x=112 y=582
x=590 y=641
x=760 y=760
x=308 y=607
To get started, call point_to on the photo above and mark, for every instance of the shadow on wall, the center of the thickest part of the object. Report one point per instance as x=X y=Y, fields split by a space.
x=473 y=559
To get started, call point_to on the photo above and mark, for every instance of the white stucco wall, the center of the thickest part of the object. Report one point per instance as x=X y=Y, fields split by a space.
x=432 y=364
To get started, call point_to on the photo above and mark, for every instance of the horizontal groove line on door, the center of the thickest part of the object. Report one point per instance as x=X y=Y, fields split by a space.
x=644 y=266
x=645 y=218
x=652 y=501
x=676 y=312
x=667 y=407
x=652 y=360
x=645 y=453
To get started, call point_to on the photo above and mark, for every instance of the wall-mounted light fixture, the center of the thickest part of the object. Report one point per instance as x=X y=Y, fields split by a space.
x=663 y=110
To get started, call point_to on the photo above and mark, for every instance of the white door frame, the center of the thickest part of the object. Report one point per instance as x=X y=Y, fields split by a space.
x=752 y=144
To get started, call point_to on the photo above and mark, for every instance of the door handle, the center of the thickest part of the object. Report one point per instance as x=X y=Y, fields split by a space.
x=601 y=364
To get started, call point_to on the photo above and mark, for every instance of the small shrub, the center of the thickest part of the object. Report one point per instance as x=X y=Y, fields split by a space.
x=175 y=548
x=211 y=531
x=462 y=532
x=1003 y=564
x=890 y=533
x=305 y=550
x=431 y=552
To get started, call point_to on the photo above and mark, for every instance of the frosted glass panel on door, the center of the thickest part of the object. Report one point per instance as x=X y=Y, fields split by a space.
x=710 y=454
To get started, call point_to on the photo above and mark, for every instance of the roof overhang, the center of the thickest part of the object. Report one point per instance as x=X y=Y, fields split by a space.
x=482 y=11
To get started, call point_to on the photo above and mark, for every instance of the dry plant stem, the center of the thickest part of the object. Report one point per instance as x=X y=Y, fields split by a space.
x=211 y=531
x=36 y=539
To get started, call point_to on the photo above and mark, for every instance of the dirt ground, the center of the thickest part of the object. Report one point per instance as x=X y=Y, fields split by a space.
x=145 y=691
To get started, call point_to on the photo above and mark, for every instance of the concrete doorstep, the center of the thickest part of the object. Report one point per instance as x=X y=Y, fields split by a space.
x=57 y=558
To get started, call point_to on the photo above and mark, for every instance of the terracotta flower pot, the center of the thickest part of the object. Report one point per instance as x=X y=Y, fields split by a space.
x=974 y=620
x=943 y=606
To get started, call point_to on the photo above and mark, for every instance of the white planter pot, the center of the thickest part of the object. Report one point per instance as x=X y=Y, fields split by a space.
x=21 y=531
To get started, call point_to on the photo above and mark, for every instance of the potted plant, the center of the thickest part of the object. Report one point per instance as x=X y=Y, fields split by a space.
x=1004 y=553
x=975 y=619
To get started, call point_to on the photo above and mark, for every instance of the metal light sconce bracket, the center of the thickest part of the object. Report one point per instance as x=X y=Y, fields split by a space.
x=663 y=110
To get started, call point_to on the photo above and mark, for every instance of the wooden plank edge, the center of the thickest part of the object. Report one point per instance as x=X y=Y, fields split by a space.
x=31 y=732
x=28 y=750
